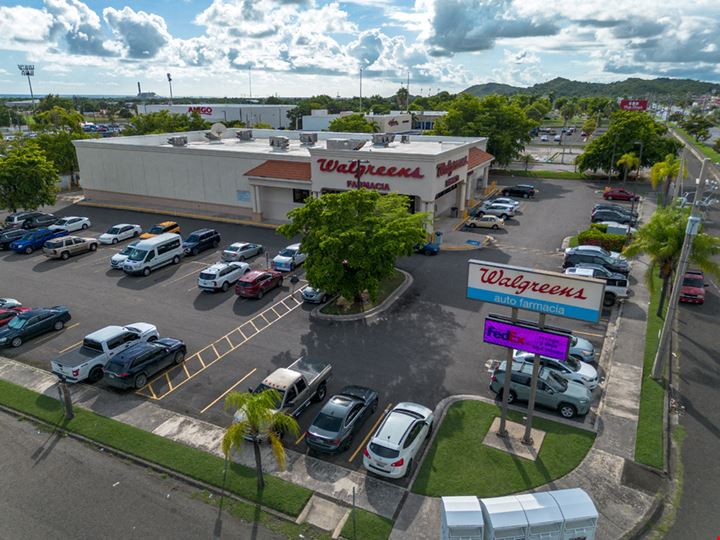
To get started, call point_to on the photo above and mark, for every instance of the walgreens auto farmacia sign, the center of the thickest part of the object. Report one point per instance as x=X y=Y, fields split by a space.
x=535 y=290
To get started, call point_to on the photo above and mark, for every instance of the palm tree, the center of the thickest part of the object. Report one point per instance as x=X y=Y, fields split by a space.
x=665 y=170
x=661 y=238
x=628 y=162
x=260 y=420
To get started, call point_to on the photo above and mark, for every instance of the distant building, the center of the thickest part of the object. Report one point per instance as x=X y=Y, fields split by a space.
x=250 y=114
x=397 y=122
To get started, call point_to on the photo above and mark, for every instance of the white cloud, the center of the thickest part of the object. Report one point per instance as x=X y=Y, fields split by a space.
x=142 y=34
x=23 y=27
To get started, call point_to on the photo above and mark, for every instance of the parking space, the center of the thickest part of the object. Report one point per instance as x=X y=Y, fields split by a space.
x=426 y=347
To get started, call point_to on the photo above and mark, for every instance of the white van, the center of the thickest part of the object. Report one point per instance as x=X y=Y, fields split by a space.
x=147 y=255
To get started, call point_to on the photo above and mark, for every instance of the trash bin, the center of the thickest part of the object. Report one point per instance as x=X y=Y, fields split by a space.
x=579 y=513
x=545 y=520
x=504 y=518
x=438 y=237
x=453 y=211
x=462 y=519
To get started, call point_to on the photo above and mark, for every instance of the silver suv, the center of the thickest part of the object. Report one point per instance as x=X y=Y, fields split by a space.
x=500 y=210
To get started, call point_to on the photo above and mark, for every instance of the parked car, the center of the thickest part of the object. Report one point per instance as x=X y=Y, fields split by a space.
x=256 y=283
x=16 y=219
x=71 y=224
x=220 y=276
x=153 y=253
x=240 y=251
x=161 y=228
x=602 y=250
x=341 y=417
x=557 y=138
x=543 y=138
x=429 y=248
x=612 y=215
x=569 y=398
x=118 y=233
x=504 y=211
x=486 y=222
x=38 y=220
x=288 y=259
x=7 y=314
x=616 y=285
x=30 y=324
x=620 y=194
x=693 y=286
x=525 y=191
x=395 y=444
x=8 y=236
x=35 y=240
x=7 y=303
x=571 y=369
x=617 y=207
x=63 y=248
x=313 y=295
x=98 y=348
x=132 y=367
x=201 y=240
x=575 y=256
x=506 y=200
x=117 y=260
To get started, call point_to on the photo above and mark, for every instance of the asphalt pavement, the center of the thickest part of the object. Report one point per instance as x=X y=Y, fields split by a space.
x=54 y=487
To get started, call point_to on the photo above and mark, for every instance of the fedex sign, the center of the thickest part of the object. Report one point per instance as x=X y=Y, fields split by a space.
x=525 y=338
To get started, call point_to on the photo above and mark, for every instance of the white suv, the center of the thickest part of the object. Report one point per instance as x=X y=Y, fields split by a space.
x=395 y=444
x=221 y=275
x=500 y=210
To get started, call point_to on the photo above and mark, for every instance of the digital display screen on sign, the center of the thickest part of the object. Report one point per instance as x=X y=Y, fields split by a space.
x=523 y=338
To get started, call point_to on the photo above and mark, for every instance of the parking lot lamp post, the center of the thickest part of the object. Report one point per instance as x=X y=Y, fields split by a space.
x=28 y=70
x=642 y=146
x=170 y=83
x=527 y=438
x=502 y=430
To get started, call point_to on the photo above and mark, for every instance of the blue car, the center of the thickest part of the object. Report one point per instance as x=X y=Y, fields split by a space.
x=35 y=240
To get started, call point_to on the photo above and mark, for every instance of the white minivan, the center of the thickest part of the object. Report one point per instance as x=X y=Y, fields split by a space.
x=148 y=255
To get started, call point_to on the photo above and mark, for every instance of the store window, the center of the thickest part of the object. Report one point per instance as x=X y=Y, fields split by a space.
x=299 y=195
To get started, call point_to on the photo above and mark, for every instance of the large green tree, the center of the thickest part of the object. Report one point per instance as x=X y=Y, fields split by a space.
x=697 y=125
x=164 y=122
x=503 y=122
x=626 y=131
x=353 y=239
x=661 y=238
x=57 y=119
x=51 y=101
x=353 y=123
x=59 y=149
x=28 y=179
x=664 y=171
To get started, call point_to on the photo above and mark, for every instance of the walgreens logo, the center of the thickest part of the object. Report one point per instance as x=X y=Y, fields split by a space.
x=519 y=284
x=351 y=167
x=446 y=169
x=204 y=111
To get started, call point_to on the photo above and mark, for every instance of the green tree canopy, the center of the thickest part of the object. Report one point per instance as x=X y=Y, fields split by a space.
x=353 y=238
x=697 y=125
x=664 y=171
x=51 y=101
x=628 y=162
x=590 y=125
x=59 y=149
x=627 y=129
x=57 y=119
x=353 y=123
x=164 y=122
x=28 y=180
x=504 y=123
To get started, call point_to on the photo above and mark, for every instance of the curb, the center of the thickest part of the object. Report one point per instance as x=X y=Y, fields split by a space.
x=316 y=316
x=190 y=215
x=466 y=247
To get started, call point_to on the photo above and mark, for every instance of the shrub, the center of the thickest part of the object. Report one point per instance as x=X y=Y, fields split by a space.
x=596 y=237
x=599 y=226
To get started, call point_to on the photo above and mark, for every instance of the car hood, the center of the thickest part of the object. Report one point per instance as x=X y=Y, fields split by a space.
x=142 y=327
x=584 y=344
x=107 y=236
x=119 y=257
x=578 y=391
x=325 y=434
x=282 y=258
x=9 y=333
x=587 y=371
x=699 y=291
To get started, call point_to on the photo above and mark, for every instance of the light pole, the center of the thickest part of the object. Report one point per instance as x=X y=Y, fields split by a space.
x=360 y=90
x=28 y=70
x=170 y=83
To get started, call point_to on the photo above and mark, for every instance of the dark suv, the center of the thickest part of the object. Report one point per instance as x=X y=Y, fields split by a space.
x=613 y=215
x=8 y=236
x=521 y=190
x=201 y=240
x=38 y=220
x=16 y=219
x=575 y=256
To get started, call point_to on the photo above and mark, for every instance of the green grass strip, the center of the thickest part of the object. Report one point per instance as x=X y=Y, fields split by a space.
x=649 y=440
x=460 y=464
x=536 y=173
x=709 y=152
x=278 y=494
x=368 y=526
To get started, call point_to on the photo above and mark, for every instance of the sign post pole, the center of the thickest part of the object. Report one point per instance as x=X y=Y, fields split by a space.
x=502 y=431
x=527 y=438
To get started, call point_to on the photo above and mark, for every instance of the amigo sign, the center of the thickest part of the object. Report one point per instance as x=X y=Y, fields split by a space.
x=204 y=111
x=536 y=290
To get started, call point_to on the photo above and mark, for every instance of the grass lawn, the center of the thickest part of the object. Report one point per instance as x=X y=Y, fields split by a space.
x=573 y=241
x=709 y=152
x=459 y=464
x=560 y=175
x=368 y=526
x=278 y=494
x=340 y=306
x=649 y=441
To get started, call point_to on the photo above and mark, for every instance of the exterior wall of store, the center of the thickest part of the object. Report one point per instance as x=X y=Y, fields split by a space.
x=276 y=203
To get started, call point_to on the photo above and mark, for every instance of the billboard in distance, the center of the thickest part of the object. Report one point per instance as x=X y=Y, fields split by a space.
x=633 y=104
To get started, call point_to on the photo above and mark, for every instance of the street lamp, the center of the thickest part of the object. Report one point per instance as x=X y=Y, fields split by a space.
x=170 y=83
x=28 y=70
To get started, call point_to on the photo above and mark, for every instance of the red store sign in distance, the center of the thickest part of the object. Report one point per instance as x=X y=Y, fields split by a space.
x=204 y=111
x=633 y=104
x=351 y=167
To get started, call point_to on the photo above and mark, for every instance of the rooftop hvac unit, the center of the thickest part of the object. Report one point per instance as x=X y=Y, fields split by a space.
x=382 y=139
x=345 y=144
x=405 y=139
x=177 y=141
x=308 y=139
x=244 y=134
x=279 y=143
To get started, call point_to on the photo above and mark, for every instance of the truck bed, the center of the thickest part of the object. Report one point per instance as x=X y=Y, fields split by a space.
x=310 y=368
x=76 y=357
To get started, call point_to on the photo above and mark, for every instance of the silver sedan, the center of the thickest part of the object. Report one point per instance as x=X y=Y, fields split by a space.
x=239 y=251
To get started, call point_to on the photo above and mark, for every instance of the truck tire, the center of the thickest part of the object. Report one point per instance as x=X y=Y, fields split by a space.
x=609 y=299
x=95 y=374
x=320 y=393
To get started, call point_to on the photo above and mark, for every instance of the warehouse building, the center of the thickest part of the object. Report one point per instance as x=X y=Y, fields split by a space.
x=250 y=114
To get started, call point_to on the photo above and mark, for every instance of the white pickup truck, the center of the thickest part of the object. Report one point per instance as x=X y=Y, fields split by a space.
x=87 y=362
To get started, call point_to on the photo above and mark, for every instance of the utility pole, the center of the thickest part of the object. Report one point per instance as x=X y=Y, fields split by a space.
x=691 y=230
x=407 y=98
x=65 y=398
x=361 y=91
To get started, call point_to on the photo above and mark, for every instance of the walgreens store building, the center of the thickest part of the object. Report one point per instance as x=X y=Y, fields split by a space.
x=263 y=174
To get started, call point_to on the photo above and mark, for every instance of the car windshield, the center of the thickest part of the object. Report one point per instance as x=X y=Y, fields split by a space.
x=327 y=422
x=556 y=382
x=693 y=282
x=126 y=250
x=63 y=222
x=207 y=275
x=114 y=230
x=29 y=236
x=157 y=229
x=137 y=254
x=573 y=363
x=383 y=451
x=234 y=249
x=118 y=365
x=262 y=387
x=288 y=252
x=53 y=245
x=17 y=323
x=193 y=239
x=242 y=283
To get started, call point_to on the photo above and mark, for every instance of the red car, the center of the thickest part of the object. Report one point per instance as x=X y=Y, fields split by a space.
x=6 y=315
x=620 y=194
x=257 y=282
x=692 y=289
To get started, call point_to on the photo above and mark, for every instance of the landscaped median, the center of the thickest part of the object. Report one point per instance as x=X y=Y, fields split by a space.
x=341 y=306
x=458 y=463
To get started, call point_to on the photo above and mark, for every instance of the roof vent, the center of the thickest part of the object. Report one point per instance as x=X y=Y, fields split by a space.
x=279 y=143
x=177 y=141
x=382 y=139
x=345 y=144
x=405 y=139
x=308 y=139
x=244 y=134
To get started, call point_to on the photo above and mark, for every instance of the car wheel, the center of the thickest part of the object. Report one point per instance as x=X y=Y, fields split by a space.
x=140 y=381
x=16 y=342
x=430 y=428
x=241 y=258
x=84 y=226
x=194 y=252
x=136 y=234
x=261 y=251
x=512 y=396
x=609 y=299
x=95 y=374
x=373 y=407
x=567 y=410
x=28 y=250
x=505 y=193
x=260 y=295
x=179 y=357
x=65 y=256
x=93 y=247
x=292 y=266
x=472 y=225
x=495 y=226
x=115 y=240
x=503 y=216
x=609 y=198
x=526 y=195
x=216 y=243
x=176 y=260
x=146 y=271
x=320 y=393
x=152 y=338
x=225 y=286
x=348 y=442
x=59 y=325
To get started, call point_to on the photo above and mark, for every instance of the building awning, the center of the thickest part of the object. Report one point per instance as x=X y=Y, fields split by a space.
x=282 y=170
x=477 y=157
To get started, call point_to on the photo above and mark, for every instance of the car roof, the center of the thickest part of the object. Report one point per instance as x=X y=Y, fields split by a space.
x=150 y=243
x=239 y=244
x=221 y=265
x=106 y=333
x=694 y=273
x=281 y=378
x=204 y=230
x=134 y=350
x=339 y=405
x=33 y=312
x=253 y=274
x=393 y=429
x=588 y=272
x=167 y=223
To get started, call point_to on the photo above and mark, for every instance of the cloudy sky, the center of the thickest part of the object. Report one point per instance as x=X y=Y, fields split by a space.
x=306 y=47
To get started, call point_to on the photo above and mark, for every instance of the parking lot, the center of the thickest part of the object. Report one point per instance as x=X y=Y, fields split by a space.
x=426 y=347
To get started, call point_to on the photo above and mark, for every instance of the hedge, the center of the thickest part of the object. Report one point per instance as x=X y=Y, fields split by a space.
x=595 y=237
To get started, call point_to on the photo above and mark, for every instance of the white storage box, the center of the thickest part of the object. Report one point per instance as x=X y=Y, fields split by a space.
x=462 y=519
x=579 y=513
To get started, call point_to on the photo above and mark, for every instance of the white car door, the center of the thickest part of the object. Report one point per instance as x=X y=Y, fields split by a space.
x=415 y=438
